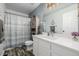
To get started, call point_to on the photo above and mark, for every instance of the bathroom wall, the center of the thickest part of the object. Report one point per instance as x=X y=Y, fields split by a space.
x=46 y=16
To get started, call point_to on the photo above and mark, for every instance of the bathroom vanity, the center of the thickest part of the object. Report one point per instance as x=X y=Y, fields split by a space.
x=54 y=46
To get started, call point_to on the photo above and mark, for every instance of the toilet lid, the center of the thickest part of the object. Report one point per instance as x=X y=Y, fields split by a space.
x=28 y=42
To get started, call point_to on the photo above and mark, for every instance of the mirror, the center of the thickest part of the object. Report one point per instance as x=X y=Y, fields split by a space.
x=65 y=19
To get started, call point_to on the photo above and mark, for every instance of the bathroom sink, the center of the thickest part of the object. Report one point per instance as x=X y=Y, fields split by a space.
x=55 y=36
x=50 y=37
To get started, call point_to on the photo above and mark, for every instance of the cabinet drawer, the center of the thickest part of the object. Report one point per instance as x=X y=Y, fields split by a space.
x=63 y=51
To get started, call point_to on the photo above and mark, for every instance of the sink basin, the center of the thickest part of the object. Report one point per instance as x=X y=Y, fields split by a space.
x=54 y=37
x=44 y=33
x=50 y=37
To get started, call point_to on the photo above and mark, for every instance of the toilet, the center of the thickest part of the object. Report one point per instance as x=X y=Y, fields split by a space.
x=29 y=44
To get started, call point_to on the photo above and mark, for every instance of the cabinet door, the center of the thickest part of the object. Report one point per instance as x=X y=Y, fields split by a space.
x=1 y=48
x=53 y=51
x=35 y=46
x=44 y=48
x=63 y=51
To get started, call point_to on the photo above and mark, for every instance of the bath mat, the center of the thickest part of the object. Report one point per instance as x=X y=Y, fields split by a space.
x=18 y=51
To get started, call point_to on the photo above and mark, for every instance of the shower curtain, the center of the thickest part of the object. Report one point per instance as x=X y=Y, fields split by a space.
x=17 y=30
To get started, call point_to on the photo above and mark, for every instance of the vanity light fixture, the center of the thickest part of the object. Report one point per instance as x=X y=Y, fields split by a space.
x=51 y=5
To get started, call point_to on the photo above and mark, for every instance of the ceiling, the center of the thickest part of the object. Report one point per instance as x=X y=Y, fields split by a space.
x=22 y=7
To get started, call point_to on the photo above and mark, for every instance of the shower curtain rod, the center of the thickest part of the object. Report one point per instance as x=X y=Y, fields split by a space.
x=15 y=14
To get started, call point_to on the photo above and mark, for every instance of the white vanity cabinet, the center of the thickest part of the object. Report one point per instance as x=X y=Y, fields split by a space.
x=41 y=47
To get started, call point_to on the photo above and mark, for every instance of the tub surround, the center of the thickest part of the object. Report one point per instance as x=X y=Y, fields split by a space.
x=61 y=41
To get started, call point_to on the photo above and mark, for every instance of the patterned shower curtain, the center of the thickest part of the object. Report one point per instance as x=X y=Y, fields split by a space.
x=17 y=30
